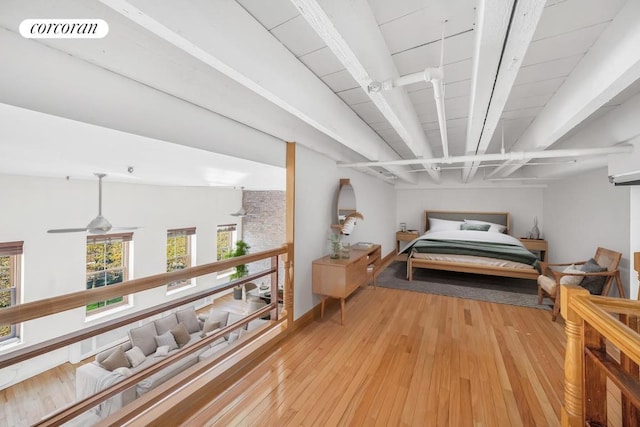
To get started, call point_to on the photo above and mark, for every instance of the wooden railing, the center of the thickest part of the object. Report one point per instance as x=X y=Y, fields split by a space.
x=603 y=347
x=36 y=309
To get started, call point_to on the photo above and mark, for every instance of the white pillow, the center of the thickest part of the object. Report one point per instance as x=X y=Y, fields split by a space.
x=497 y=228
x=571 y=280
x=125 y=372
x=135 y=356
x=162 y=351
x=436 y=224
x=166 y=339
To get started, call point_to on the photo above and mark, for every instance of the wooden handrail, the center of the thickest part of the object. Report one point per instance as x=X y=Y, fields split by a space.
x=77 y=408
x=62 y=303
x=589 y=325
x=44 y=307
x=82 y=334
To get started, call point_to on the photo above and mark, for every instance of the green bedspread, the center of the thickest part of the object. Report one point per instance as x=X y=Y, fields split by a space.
x=484 y=249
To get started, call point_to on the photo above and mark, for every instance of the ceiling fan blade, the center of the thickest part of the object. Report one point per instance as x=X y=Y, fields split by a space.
x=67 y=230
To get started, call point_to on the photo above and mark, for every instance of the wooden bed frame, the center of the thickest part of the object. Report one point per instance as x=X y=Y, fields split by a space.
x=501 y=218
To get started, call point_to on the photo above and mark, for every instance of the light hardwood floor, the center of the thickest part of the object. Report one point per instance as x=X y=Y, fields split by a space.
x=406 y=358
x=402 y=358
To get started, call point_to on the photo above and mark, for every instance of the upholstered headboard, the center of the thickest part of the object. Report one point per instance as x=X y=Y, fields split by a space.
x=501 y=218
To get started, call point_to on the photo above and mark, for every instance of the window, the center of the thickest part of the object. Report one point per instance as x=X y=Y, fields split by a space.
x=107 y=264
x=179 y=253
x=227 y=237
x=10 y=279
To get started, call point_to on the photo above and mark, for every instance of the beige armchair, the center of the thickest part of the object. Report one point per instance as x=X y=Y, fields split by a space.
x=550 y=280
x=248 y=287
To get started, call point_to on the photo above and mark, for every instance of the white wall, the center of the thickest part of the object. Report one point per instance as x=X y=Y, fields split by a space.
x=584 y=212
x=522 y=203
x=317 y=182
x=54 y=264
x=634 y=240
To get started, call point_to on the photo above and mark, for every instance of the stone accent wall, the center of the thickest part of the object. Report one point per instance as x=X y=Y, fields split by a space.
x=265 y=228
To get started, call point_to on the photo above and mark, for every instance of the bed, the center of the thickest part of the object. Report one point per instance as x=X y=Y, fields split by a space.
x=484 y=246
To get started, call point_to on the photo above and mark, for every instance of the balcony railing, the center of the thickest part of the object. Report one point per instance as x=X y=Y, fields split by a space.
x=281 y=320
x=603 y=350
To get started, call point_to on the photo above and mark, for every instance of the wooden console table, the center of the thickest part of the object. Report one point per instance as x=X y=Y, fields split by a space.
x=339 y=278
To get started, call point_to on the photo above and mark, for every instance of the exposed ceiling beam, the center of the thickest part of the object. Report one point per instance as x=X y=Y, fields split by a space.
x=512 y=156
x=492 y=23
x=486 y=110
x=227 y=38
x=351 y=31
x=612 y=64
x=617 y=126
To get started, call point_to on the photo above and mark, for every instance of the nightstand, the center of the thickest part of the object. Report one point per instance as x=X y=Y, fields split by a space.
x=536 y=245
x=404 y=236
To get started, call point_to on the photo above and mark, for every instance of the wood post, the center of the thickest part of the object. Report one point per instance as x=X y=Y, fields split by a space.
x=594 y=379
x=630 y=414
x=572 y=414
x=287 y=295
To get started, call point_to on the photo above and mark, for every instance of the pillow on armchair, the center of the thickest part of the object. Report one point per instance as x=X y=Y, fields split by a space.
x=593 y=284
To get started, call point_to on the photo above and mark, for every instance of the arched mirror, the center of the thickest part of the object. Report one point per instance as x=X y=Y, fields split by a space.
x=346 y=200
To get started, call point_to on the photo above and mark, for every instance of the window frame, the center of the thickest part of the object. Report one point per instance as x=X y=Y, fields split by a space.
x=189 y=233
x=13 y=250
x=126 y=239
x=233 y=239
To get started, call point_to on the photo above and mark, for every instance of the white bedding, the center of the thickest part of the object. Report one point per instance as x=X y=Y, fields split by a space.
x=470 y=235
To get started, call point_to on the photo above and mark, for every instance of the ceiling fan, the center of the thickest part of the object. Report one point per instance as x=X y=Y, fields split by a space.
x=98 y=225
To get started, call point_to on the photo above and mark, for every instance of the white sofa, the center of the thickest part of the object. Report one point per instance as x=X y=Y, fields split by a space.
x=109 y=368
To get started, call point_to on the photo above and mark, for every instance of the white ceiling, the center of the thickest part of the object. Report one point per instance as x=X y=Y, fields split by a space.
x=540 y=72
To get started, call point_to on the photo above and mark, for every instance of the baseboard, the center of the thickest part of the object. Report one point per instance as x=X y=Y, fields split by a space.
x=386 y=260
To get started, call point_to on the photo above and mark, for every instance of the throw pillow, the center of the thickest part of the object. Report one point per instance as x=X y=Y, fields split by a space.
x=475 y=227
x=498 y=228
x=189 y=318
x=142 y=337
x=180 y=334
x=208 y=327
x=163 y=350
x=135 y=356
x=593 y=284
x=165 y=323
x=436 y=224
x=117 y=359
x=571 y=280
x=166 y=339
x=216 y=315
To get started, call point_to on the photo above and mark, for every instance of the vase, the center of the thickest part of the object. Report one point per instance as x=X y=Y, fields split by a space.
x=335 y=249
x=535 y=231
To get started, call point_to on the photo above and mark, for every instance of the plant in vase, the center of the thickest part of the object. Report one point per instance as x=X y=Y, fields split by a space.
x=242 y=248
x=335 y=246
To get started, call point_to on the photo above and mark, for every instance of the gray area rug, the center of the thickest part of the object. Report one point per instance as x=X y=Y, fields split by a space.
x=502 y=290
